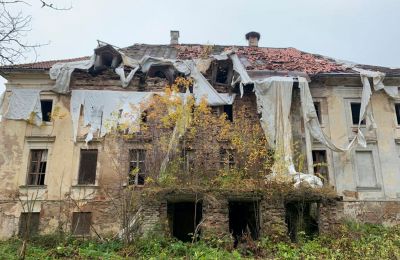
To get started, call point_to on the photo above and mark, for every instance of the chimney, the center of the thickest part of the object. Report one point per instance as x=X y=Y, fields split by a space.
x=174 y=37
x=253 y=38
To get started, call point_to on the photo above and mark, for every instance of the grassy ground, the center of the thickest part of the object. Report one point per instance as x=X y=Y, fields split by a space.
x=352 y=241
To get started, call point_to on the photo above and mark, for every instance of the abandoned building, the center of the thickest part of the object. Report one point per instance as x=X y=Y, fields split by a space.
x=55 y=161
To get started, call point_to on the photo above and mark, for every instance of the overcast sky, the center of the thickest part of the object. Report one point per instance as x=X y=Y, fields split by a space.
x=363 y=31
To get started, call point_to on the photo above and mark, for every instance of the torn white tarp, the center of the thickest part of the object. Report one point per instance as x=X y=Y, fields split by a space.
x=203 y=89
x=25 y=105
x=61 y=73
x=274 y=98
x=241 y=76
x=103 y=110
x=2 y=97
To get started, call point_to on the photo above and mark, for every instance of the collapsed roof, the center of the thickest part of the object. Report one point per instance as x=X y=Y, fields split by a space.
x=253 y=59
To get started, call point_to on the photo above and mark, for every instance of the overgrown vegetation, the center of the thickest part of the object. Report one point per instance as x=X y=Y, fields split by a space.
x=351 y=241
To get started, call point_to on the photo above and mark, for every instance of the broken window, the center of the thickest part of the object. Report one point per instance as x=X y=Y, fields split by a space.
x=320 y=164
x=87 y=167
x=137 y=166
x=28 y=224
x=188 y=159
x=244 y=220
x=301 y=217
x=162 y=71
x=227 y=159
x=81 y=222
x=227 y=109
x=317 y=106
x=46 y=106
x=184 y=218
x=397 y=108
x=37 y=167
x=222 y=72
x=355 y=113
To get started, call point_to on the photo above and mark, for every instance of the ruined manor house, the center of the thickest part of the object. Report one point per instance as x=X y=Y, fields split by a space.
x=57 y=173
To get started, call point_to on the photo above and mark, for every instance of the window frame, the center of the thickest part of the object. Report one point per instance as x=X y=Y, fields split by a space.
x=226 y=158
x=396 y=117
x=27 y=224
x=30 y=163
x=362 y=123
x=327 y=181
x=138 y=161
x=80 y=180
x=75 y=224
x=51 y=110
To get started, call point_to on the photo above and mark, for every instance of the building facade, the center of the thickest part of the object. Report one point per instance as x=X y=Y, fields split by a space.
x=62 y=179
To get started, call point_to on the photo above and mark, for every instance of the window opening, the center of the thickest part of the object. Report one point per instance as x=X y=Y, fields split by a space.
x=81 y=222
x=46 y=106
x=355 y=113
x=301 y=217
x=37 y=167
x=317 y=106
x=227 y=159
x=28 y=224
x=137 y=166
x=244 y=220
x=188 y=159
x=87 y=167
x=397 y=108
x=184 y=217
x=320 y=164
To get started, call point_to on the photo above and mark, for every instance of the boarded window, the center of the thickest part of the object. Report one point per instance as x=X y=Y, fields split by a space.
x=46 y=106
x=227 y=159
x=355 y=113
x=28 y=224
x=37 y=167
x=320 y=164
x=87 y=167
x=366 y=169
x=317 y=106
x=81 y=222
x=137 y=166
x=397 y=108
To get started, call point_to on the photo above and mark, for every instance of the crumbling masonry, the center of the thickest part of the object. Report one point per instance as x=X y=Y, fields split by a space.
x=60 y=172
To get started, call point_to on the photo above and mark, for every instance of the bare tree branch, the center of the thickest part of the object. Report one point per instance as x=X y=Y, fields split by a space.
x=14 y=29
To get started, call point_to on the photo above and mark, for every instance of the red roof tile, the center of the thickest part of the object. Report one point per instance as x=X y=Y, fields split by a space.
x=41 y=64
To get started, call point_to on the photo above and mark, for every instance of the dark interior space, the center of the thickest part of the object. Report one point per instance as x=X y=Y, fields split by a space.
x=244 y=219
x=183 y=219
x=46 y=106
x=301 y=217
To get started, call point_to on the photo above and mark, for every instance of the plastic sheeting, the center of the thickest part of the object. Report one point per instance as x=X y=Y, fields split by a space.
x=62 y=72
x=25 y=105
x=104 y=109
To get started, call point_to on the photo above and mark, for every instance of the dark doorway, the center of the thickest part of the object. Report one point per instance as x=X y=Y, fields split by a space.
x=301 y=217
x=184 y=218
x=244 y=219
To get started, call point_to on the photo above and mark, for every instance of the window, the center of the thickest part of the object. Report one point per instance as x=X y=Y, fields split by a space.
x=81 y=222
x=227 y=159
x=355 y=113
x=37 y=167
x=188 y=159
x=137 y=167
x=222 y=72
x=366 y=169
x=46 y=106
x=317 y=106
x=28 y=224
x=87 y=167
x=320 y=164
x=227 y=109
x=397 y=108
